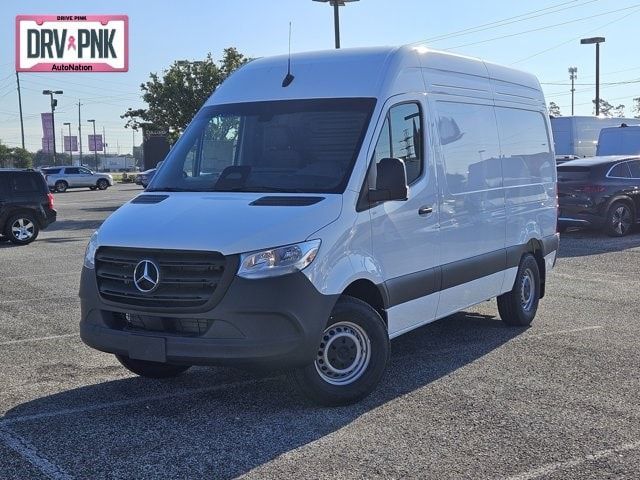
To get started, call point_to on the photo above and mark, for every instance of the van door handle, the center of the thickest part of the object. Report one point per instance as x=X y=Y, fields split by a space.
x=422 y=211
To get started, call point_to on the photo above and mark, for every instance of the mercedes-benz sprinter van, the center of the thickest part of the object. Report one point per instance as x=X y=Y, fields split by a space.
x=304 y=219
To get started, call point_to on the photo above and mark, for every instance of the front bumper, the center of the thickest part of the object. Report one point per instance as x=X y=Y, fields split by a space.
x=273 y=323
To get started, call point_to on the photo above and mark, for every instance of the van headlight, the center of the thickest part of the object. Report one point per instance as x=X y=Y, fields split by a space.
x=278 y=261
x=90 y=252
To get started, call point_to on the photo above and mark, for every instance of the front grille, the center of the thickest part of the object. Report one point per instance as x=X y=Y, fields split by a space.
x=185 y=327
x=188 y=279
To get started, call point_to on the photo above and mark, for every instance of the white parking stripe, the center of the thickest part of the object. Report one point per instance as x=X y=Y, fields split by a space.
x=24 y=300
x=38 y=339
x=573 y=462
x=28 y=452
x=561 y=332
x=128 y=401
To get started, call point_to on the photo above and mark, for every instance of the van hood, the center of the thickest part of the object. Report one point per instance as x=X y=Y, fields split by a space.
x=222 y=222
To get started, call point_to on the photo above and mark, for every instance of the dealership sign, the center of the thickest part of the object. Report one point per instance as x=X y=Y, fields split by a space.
x=72 y=43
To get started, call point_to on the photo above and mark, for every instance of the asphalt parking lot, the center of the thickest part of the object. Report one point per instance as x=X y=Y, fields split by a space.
x=465 y=397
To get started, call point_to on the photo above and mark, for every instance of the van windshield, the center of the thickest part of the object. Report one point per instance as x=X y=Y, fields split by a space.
x=276 y=146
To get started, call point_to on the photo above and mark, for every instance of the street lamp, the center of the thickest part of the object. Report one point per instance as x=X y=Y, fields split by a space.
x=336 y=4
x=95 y=143
x=68 y=124
x=573 y=75
x=597 y=41
x=54 y=103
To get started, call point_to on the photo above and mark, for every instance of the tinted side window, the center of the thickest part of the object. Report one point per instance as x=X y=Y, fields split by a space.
x=524 y=143
x=470 y=148
x=26 y=183
x=634 y=166
x=72 y=171
x=51 y=171
x=401 y=137
x=620 y=170
x=84 y=171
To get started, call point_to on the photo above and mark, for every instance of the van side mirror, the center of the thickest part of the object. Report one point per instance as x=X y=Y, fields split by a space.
x=391 y=181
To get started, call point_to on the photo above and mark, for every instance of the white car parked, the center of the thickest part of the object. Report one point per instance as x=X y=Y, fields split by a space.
x=305 y=218
x=59 y=179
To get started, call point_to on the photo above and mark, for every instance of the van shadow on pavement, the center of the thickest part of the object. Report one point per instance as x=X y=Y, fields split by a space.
x=227 y=431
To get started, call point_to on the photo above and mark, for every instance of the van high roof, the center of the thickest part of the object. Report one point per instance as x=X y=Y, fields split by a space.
x=374 y=72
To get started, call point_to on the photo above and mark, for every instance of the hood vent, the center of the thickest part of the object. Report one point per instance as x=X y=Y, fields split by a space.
x=149 y=198
x=278 y=201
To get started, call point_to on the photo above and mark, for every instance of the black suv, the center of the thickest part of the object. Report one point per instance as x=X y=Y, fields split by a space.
x=600 y=192
x=26 y=205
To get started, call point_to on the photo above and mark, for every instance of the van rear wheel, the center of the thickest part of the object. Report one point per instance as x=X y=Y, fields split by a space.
x=519 y=306
x=151 y=369
x=351 y=358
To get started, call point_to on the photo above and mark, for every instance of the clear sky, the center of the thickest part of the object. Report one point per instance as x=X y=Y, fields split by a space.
x=543 y=39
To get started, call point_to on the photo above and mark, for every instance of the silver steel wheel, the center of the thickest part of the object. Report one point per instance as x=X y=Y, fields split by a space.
x=621 y=219
x=527 y=290
x=344 y=353
x=23 y=229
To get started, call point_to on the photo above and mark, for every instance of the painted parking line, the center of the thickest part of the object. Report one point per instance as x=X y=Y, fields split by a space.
x=29 y=453
x=30 y=275
x=562 y=332
x=129 y=401
x=574 y=462
x=38 y=339
x=41 y=299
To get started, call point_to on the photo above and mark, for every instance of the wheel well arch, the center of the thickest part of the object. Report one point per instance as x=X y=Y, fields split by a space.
x=370 y=293
x=536 y=248
x=624 y=199
x=19 y=211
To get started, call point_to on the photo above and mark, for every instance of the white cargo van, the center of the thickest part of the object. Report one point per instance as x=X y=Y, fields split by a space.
x=303 y=220
x=577 y=136
x=621 y=140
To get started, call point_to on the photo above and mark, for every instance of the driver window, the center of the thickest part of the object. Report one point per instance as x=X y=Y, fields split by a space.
x=401 y=137
x=219 y=144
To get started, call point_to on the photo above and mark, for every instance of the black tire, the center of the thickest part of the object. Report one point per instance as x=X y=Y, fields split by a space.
x=619 y=220
x=519 y=306
x=151 y=369
x=61 y=186
x=21 y=229
x=102 y=184
x=355 y=341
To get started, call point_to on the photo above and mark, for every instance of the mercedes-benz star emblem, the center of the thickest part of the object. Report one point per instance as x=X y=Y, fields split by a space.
x=146 y=276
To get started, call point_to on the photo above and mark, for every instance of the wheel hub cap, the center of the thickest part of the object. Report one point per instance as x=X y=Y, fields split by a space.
x=621 y=220
x=344 y=353
x=527 y=290
x=22 y=229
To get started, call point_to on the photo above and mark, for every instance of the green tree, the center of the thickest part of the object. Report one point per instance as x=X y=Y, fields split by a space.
x=173 y=99
x=5 y=155
x=554 y=109
x=619 y=111
x=606 y=109
x=636 y=107
x=21 y=158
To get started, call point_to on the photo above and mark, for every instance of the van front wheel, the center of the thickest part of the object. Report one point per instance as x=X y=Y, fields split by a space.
x=519 y=306
x=351 y=358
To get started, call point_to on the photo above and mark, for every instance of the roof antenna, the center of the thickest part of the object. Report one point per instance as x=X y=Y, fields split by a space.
x=288 y=78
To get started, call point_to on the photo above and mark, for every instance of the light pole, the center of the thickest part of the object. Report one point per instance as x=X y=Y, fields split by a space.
x=573 y=75
x=336 y=4
x=68 y=124
x=95 y=143
x=597 y=41
x=54 y=103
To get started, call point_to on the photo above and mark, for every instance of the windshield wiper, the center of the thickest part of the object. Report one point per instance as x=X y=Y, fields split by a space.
x=170 y=189
x=261 y=189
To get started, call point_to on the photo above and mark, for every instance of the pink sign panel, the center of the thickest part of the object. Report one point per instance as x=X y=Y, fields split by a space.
x=70 y=143
x=47 y=144
x=72 y=43
x=47 y=124
x=95 y=143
